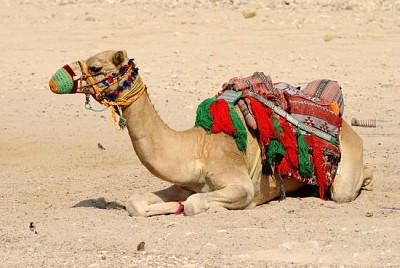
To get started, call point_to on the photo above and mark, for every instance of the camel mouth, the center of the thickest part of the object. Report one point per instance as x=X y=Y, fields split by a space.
x=63 y=82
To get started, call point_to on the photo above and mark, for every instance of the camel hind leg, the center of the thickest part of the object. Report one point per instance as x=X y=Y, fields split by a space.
x=351 y=174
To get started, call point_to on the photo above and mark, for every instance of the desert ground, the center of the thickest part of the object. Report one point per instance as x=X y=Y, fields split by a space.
x=55 y=176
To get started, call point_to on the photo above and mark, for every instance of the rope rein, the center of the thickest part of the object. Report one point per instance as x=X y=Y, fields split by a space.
x=89 y=107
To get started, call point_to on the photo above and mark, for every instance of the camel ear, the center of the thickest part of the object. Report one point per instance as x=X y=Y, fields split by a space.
x=119 y=58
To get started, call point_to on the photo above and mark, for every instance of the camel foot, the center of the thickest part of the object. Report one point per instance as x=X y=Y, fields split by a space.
x=136 y=207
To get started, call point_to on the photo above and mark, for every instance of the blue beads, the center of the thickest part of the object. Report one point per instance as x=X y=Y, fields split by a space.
x=112 y=96
x=122 y=70
x=126 y=83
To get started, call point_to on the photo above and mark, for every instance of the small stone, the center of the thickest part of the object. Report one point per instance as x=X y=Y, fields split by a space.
x=90 y=19
x=100 y=146
x=140 y=246
x=188 y=233
x=286 y=245
x=210 y=246
x=172 y=224
x=369 y=214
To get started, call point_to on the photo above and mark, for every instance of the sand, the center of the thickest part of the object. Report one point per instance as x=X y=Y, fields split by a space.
x=54 y=175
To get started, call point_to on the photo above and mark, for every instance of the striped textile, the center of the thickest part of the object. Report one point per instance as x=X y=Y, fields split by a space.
x=315 y=113
x=326 y=90
x=311 y=106
x=259 y=84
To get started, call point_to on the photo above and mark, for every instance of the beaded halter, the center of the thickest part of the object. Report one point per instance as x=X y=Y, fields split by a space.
x=127 y=78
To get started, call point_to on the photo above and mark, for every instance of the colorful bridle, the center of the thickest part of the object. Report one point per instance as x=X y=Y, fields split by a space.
x=130 y=87
x=132 y=80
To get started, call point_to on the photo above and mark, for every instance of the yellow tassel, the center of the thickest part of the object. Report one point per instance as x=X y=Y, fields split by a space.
x=335 y=108
x=113 y=117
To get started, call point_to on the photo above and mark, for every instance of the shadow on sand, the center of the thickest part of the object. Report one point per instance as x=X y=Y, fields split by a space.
x=100 y=203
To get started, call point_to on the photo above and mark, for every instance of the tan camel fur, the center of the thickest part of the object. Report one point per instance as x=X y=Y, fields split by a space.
x=208 y=170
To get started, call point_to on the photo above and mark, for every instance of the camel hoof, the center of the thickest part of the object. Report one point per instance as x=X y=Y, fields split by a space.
x=367 y=177
x=189 y=211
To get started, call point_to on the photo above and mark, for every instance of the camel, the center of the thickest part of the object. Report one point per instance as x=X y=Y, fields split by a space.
x=205 y=170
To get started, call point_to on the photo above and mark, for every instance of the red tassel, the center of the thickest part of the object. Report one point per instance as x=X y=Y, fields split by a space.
x=219 y=110
x=319 y=167
x=263 y=119
x=289 y=142
x=284 y=168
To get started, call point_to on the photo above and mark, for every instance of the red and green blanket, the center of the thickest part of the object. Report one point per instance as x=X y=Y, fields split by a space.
x=298 y=129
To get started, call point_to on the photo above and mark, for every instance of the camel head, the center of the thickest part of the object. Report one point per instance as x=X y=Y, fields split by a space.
x=104 y=76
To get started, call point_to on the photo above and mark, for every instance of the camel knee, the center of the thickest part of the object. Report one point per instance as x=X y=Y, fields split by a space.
x=246 y=196
x=235 y=196
x=342 y=189
x=342 y=197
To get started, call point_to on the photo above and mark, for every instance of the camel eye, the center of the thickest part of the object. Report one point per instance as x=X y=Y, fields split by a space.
x=95 y=69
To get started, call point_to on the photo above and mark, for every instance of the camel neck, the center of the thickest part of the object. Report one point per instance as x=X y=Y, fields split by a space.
x=149 y=134
x=143 y=121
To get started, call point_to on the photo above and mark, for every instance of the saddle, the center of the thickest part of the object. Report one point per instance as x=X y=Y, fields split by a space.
x=298 y=130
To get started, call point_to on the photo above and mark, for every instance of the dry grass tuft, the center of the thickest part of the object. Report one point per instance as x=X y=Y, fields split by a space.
x=249 y=14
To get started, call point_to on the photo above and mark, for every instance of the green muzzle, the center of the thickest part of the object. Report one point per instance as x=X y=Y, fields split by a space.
x=62 y=82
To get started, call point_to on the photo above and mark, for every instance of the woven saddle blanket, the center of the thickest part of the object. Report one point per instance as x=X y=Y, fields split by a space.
x=298 y=130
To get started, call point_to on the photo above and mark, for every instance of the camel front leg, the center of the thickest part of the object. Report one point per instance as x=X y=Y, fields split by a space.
x=230 y=197
x=157 y=203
